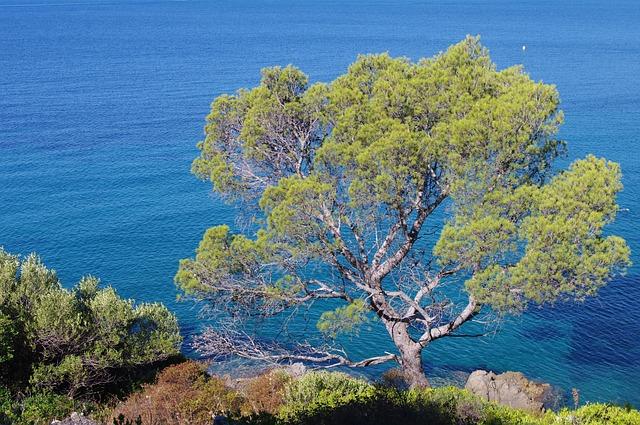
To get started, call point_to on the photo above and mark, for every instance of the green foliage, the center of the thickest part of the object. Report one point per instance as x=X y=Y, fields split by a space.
x=317 y=392
x=561 y=224
x=42 y=408
x=325 y=387
x=7 y=407
x=353 y=401
x=220 y=250
x=485 y=135
x=344 y=319
x=74 y=341
x=600 y=413
x=7 y=336
x=184 y=394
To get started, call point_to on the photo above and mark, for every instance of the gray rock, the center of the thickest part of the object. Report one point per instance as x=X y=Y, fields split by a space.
x=75 y=419
x=511 y=389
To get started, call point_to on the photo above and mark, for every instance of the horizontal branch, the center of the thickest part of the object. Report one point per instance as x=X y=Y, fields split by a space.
x=221 y=344
x=259 y=295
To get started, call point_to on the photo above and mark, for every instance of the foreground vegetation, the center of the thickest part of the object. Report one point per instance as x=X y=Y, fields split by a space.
x=85 y=349
x=71 y=349
x=185 y=394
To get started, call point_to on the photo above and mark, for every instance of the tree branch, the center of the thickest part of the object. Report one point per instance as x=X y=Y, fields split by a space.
x=219 y=345
x=335 y=231
x=256 y=293
x=412 y=235
x=434 y=333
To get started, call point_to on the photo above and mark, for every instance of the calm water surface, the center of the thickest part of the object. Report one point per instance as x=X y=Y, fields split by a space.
x=101 y=104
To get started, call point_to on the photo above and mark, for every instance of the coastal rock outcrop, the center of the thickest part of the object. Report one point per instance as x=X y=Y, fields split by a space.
x=75 y=419
x=511 y=389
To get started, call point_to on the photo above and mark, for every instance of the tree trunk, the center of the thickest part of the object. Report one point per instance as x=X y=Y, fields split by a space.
x=412 y=369
x=410 y=355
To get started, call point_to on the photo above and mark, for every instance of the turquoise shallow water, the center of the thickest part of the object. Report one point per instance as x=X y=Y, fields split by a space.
x=102 y=102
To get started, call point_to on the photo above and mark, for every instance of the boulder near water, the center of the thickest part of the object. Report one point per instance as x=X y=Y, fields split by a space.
x=511 y=389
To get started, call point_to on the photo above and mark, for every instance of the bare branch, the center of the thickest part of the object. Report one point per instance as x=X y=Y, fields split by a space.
x=415 y=307
x=221 y=344
x=255 y=294
x=434 y=333
x=391 y=262
x=335 y=231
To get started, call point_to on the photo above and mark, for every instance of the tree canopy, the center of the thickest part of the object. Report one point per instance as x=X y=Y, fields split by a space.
x=347 y=184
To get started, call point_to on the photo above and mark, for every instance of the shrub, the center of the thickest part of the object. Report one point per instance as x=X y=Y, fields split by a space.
x=7 y=334
x=452 y=402
x=330 y=388
x=316 y=394
x=599 y=413
x=183 y=393
x=183 y=374
x=265 y=393
x=336 y=398
x=75 y=341
x=7 y=408
x=42 y=408
x=495 y=414
x=159 y=403
x=213 y=397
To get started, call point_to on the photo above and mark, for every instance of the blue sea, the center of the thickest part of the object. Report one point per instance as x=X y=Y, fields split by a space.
x=102 y=103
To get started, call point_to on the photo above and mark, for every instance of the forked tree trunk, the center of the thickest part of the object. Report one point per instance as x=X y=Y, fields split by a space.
x=410 y=355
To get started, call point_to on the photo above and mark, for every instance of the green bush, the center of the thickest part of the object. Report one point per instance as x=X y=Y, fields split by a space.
x=7 y=335
x=327 y=388
x=7 y=408
x=327 y=398
x=42 y=408
x=599 y=413
x=316 y=393
x=77 y=341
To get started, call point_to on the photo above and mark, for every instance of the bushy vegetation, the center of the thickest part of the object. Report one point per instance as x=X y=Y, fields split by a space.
x=61 y=348
x=266 y=392
x=40 y=408
x=184 y=394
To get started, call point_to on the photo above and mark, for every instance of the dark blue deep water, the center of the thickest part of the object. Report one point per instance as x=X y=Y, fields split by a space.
x=102 y=102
